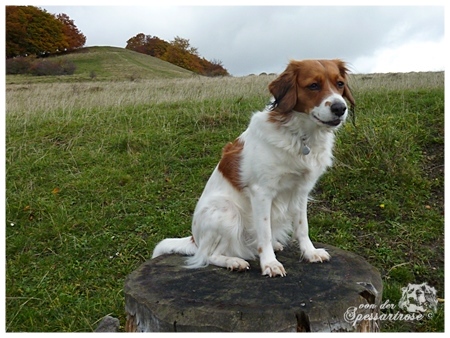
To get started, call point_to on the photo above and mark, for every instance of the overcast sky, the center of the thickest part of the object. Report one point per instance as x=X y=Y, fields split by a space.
x=255 y=39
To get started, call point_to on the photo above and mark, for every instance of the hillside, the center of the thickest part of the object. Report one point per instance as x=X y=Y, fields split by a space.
x=110 y=64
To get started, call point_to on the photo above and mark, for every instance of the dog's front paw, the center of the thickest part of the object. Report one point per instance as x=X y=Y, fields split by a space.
x=316 y=255
x=235 y=263
x=273 y=269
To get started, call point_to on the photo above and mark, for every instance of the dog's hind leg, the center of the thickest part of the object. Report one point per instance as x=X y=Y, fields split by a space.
x=232 y=263
x=217 y=230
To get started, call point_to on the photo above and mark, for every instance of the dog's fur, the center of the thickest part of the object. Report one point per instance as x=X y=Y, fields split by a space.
x=257 y=194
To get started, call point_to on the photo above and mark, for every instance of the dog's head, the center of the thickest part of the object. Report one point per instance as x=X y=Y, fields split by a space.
x=313 y=87
x=418 y=298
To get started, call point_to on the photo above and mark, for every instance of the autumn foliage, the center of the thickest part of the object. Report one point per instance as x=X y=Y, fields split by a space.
x=178 y=52
x=33 y=31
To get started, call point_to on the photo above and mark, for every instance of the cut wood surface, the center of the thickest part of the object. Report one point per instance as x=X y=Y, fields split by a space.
x=163 y=296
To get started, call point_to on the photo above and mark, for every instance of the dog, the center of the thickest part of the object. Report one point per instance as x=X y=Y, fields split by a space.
x=257 y=195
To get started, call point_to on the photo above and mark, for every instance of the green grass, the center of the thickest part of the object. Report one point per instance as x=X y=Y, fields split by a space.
x=93 y=183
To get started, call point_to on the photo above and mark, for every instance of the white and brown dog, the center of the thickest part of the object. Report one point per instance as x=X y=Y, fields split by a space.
x=257 y=195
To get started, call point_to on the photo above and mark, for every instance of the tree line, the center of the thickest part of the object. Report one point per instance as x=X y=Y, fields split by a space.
x=178 y=52
x=33 y=31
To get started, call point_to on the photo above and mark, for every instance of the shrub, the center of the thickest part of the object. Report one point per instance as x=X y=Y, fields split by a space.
x=50 y=67
x=68 y=67
x=18 y=65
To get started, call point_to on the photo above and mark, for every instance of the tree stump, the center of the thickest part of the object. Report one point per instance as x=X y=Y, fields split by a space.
x=343 y=294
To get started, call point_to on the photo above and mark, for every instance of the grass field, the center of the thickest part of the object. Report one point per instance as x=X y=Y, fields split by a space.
x=98 y=172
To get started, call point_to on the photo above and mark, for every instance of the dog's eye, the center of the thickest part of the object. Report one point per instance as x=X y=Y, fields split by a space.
x=340 y=84
x=314 y=86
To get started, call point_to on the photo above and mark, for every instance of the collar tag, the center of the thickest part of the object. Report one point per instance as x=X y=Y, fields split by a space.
x=305 y=150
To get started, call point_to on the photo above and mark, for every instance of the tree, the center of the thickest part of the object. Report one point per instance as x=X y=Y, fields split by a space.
x=155 y=46
x=183 y=44
x=73 y=37
x=147 y=44
x=137 y=43
x=178 y=52
x=15 y=29
x=31 y=30
x=214 y=68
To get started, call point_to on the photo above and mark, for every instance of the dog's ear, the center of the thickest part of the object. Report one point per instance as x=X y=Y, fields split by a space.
x=348 y=95
x=284 y=91
x=344 y=73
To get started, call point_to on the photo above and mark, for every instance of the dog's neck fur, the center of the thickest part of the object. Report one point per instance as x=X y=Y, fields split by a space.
x=301 y=131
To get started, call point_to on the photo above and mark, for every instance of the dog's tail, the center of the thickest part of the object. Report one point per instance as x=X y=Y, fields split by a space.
x=184 y=246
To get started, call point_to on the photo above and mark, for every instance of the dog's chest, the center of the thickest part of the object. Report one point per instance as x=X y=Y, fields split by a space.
x=299 y=169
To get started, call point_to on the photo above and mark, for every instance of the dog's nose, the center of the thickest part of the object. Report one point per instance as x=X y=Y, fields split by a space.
x=338 y=108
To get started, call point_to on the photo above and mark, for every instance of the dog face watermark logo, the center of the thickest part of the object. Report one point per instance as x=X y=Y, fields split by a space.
x=418 y=298
x=418 y=301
